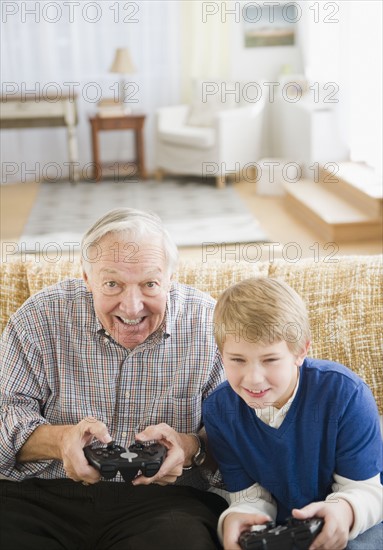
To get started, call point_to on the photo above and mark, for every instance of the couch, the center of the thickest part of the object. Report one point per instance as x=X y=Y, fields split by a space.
x=343 y=295
x=225 y=145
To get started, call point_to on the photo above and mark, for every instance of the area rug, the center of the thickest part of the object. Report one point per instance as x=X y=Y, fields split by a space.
x=195 y=212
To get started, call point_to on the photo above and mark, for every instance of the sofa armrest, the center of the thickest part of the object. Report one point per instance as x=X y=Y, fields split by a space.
x=240 y=135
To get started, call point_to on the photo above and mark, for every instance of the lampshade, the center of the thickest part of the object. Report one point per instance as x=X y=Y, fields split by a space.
x=122 y=62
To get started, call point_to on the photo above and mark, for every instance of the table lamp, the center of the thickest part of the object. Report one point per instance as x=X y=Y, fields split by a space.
x=122 y=64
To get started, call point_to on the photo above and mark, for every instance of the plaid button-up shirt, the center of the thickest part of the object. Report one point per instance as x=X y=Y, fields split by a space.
x=59 y=366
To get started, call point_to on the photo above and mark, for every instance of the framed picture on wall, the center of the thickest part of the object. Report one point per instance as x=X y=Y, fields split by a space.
x=269 y=24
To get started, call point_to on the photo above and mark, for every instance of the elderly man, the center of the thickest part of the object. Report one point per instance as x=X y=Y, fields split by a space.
x=122 y=354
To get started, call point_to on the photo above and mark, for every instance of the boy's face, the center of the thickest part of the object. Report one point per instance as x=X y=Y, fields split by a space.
x=262 y=375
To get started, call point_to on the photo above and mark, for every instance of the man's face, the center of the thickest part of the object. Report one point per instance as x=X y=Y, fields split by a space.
x=262 y=375
x=129 y=282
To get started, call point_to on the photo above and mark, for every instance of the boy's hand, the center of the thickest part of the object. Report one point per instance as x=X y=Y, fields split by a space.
x=235 y=523
x=338 y=519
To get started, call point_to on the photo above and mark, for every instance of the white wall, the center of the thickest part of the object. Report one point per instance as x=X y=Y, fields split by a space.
x=254 y=64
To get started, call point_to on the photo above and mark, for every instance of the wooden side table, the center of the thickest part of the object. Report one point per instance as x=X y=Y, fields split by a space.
x=133 y=122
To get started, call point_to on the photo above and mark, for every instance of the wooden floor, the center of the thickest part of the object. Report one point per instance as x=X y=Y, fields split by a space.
x=290 y=238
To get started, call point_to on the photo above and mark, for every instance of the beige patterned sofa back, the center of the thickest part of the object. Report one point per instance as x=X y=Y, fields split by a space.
x=344 y=299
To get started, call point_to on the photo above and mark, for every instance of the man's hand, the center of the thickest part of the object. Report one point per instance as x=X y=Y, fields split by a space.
x=73 y=440
x=235 y=523
x=179 y=447
x=338 y=518
x=66 y=443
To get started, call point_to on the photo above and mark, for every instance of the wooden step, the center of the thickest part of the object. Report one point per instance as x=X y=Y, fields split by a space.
x=331 y=216
x=357 y=183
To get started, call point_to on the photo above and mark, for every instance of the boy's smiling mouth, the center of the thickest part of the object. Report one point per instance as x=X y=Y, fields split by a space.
x=256 y=393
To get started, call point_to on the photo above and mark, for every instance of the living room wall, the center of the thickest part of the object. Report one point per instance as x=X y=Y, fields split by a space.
x=172 y=43
x=213 y=48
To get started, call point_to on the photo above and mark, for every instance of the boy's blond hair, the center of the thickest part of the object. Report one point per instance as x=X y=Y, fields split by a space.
x=262 y=310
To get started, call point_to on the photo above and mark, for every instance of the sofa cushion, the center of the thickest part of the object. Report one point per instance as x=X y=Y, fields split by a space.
x=214 y=276
x=343 y=297
x=345 y=306
x=210 y=96
x=201 y=114
x=14 y=289
x=190 y=136
x=40 y=275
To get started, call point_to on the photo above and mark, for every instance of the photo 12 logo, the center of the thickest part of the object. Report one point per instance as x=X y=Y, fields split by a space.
x=269 y=12
x=53 y=92
x=251 y=12
x=291 y=252
x=252 y=92
x=53 y=12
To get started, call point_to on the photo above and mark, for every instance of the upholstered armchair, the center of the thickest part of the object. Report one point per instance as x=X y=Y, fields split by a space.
x=214 y=144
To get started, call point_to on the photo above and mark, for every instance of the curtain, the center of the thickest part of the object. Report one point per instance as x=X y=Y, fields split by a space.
x=342 y=45
x=69 y=46
x=205 y=43
x=363 y=78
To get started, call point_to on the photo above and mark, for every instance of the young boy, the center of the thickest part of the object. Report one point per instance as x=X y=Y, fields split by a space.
x=292 y=435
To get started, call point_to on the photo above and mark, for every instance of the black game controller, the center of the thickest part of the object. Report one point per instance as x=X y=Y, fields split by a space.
x=113 y=458
x=295 y=534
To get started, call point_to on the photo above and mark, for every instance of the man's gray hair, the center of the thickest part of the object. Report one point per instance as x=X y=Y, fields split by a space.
x=136 y=225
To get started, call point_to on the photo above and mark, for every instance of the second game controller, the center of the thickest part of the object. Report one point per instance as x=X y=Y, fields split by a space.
x=295 y=534
x=113 y=459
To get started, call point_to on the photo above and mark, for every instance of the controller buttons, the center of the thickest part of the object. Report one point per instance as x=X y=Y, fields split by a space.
x=137 y=447
x=150 y=452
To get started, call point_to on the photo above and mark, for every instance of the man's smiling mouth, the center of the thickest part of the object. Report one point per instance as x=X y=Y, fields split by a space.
x=131 y=322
